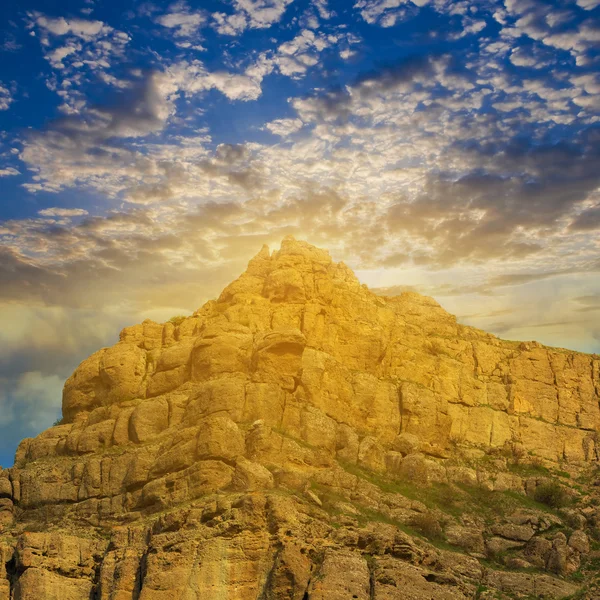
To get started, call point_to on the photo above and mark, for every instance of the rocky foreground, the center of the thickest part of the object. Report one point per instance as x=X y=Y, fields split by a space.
x=303 y=438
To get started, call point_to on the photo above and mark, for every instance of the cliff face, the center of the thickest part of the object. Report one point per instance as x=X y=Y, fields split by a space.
x=304 y=438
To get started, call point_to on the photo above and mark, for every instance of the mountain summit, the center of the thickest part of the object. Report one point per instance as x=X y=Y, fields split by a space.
x=303 y=438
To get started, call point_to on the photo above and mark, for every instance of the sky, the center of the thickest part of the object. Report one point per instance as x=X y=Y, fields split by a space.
x=148 y=150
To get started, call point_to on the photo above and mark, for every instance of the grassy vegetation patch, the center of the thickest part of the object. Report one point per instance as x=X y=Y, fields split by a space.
x=433 y=495
x=428 y=524
x=455 y=499
x=551 y=494
x=528 y=469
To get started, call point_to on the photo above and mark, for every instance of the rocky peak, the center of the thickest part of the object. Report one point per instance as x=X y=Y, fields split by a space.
x=274 y=445
x=296 y=273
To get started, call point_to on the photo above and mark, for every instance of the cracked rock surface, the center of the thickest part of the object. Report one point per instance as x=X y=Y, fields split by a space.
x=304 y=438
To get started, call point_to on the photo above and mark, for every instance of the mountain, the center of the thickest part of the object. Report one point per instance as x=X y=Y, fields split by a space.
x=303 y=438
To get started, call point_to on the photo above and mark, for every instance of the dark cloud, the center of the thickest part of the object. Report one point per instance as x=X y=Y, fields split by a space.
x=337 y=104
x=401 y=75
x=130 y=255
x=485 y=214
x=587 y=220
x=140 y=109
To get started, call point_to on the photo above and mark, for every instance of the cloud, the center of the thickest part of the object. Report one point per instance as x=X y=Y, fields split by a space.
x=284 y=127
x=9 y=171
x=39 y=348
x=588 y=4
x=469 y=26
x=83 y=148
x=386 y=12
x=90 y=147
x=408 y=149
x=486 y=286
x=295 y=57
x=590 y=303
x=346 y=53
x=488 y=216
x=550 y=24
x=403 y=75
x=511 y=279
x=233 y=85
x=126 y=262
x=250 y=14
x=9 y=43
x=79 y=51
x=35 y=401
x=56 y=56
x=323 y=9
x=184 y=22
x=589 y=83
x=531 y=57
x=63 y=154
x=62 y=212
x=408 y=79
x=554 y=27
x=82 y=28
x=587 y=220
x=230 y=24
x=6 y=97
x=93 y=144
x=463 y=18
x=588 y=101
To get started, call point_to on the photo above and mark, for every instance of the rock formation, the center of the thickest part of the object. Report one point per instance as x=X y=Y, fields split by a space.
x=303 y=438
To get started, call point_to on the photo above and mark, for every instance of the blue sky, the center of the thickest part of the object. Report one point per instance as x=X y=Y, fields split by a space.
x=148 y=150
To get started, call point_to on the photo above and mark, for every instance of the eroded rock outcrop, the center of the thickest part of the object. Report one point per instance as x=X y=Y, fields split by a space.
x=252 y=451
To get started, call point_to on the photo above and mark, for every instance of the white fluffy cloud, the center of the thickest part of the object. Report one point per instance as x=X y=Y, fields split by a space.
x=184 y=22
x=373 y=10
x=387 y=12
x=551 y=25
x=62 y=212
x=323 y=9
x=8 y=171
x=6 y=97
x=284 y=127
x=250 y=14
x=56 y=56
x=79 y=51
x=531 y=57
x=76 y=149
x=193 y=78
x=379 y=139
x=82 y=28
x=295 y=57
x=588 y=4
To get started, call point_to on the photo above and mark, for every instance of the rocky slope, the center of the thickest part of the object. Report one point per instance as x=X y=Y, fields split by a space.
x=304 y=438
